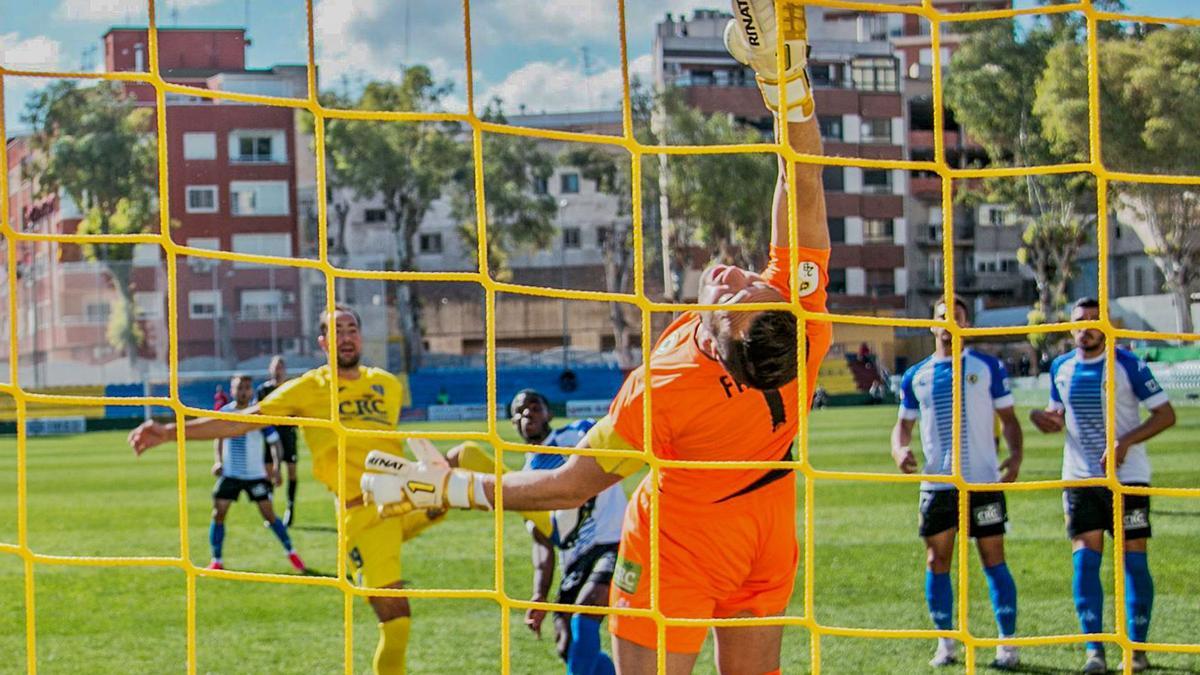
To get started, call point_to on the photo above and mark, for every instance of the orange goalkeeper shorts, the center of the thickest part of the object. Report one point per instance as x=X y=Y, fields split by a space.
x=734 y=558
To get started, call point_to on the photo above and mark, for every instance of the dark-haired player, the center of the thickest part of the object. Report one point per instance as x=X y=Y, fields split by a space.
x=724 y=387
x=1077 y=404
x=927 y=394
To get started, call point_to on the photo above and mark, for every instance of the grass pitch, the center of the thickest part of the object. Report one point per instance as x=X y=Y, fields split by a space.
x=87 y=496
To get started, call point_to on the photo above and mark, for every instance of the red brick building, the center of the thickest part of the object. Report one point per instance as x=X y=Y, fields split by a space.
x=231 y=187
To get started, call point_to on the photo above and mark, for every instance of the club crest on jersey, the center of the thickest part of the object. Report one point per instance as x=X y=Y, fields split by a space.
x=668 y=343
x=808 y=277
x=972 y=378
x=377 y=388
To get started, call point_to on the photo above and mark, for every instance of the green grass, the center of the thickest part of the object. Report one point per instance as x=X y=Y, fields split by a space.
x=87 y=496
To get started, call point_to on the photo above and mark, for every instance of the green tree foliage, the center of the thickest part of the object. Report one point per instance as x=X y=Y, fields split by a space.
x=992 y=87
x=612 y=171
x=405 y=164
x=93 y=144
x=518 y=218
x=720 y=202
x=1149 y=109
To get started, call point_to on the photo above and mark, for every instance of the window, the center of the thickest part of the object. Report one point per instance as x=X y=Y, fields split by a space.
x=837 y=280
x=569 y=183
x=201 y=199
x=877 y=230
x=825 y=74
x=97 y=312
x=145 y=255
x=881 y=282
x=149 y=304
x=874 y=73
x=834 y=178
x=572 y=237
x=375 y=215
x=262 y=243
x=430 y=243
x=837 y=230
x=996 y=216
x=831 y=127
x=204 y=304
x=877 y=181
x=877 y=130
x=197 y=263
x=541 y=185
x=259 y=198
x=199 y=145
x=263 y=303
x=269 y=145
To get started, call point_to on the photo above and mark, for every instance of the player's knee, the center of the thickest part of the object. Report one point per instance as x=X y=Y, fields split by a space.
x=937 y=561
x=388 y=608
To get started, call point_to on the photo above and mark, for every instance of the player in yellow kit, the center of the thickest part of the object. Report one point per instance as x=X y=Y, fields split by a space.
x=368 y=399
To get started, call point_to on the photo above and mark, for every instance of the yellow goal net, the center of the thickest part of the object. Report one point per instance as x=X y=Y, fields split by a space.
x=926 y=10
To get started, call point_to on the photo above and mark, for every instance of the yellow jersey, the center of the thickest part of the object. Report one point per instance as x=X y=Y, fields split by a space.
x=372 y=402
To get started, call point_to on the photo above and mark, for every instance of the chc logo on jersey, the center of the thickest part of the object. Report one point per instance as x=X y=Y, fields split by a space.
x=988 y=514
x=808 y=277
x=1137 y=519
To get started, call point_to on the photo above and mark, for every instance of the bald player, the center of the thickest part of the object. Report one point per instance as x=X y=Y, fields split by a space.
x=724 y=387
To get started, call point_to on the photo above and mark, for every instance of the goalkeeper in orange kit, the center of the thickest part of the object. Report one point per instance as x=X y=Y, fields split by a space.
x=724 y=388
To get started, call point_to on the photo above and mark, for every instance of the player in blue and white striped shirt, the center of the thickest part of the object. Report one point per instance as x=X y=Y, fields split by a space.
x=1077 y=404
x=927 y=394
x=240 y=467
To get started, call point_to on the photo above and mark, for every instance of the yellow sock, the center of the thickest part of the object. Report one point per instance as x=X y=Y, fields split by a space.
x=475 y=458
x=393 y=646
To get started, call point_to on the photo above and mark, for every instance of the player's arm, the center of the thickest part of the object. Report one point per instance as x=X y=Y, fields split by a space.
x=1053 y=418
x=151 y=433
x=1160 y=419
x=901 y=441
x=812 y=227
x=910 y=412
x=543 y=575
x=1014 y=438
x=218 y=460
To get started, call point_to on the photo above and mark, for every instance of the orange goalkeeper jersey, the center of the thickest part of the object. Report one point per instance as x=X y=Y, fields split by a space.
x=698 y=412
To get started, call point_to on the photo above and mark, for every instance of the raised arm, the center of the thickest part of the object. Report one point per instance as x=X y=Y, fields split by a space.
x=151 y=433
x=812 y=227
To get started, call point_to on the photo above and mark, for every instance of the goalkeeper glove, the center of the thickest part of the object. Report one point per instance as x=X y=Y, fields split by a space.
x=752 y=37
x=397 y=485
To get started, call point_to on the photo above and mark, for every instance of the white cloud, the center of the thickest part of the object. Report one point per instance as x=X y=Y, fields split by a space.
x=525 y=51
x=561 y=86
x=35 y=53
x=120 y=10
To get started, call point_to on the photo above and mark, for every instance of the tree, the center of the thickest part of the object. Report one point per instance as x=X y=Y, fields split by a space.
x=720 y=202
x=518 y=217
x=991 y=88
x=1148 y=112
x=95 y=145
x=612 y=171
x=405 y=164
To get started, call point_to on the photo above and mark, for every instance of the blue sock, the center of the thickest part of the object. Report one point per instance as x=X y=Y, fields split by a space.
x=940 y=597
x=1004 y=598
x=1139 y=595
x=584 y=656
x=280 y=531
x=1089 y=595
x=216 y=538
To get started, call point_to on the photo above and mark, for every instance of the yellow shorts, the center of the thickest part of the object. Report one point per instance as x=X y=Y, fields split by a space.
x=373 y=547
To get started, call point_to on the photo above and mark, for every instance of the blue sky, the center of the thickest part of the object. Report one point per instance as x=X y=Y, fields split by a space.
x=528 y=52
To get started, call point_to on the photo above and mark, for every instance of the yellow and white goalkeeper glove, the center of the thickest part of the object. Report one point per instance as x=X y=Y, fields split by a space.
x=397 y=485
x=752 y=37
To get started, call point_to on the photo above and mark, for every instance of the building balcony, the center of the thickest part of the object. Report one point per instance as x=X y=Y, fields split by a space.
x=265 y=314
